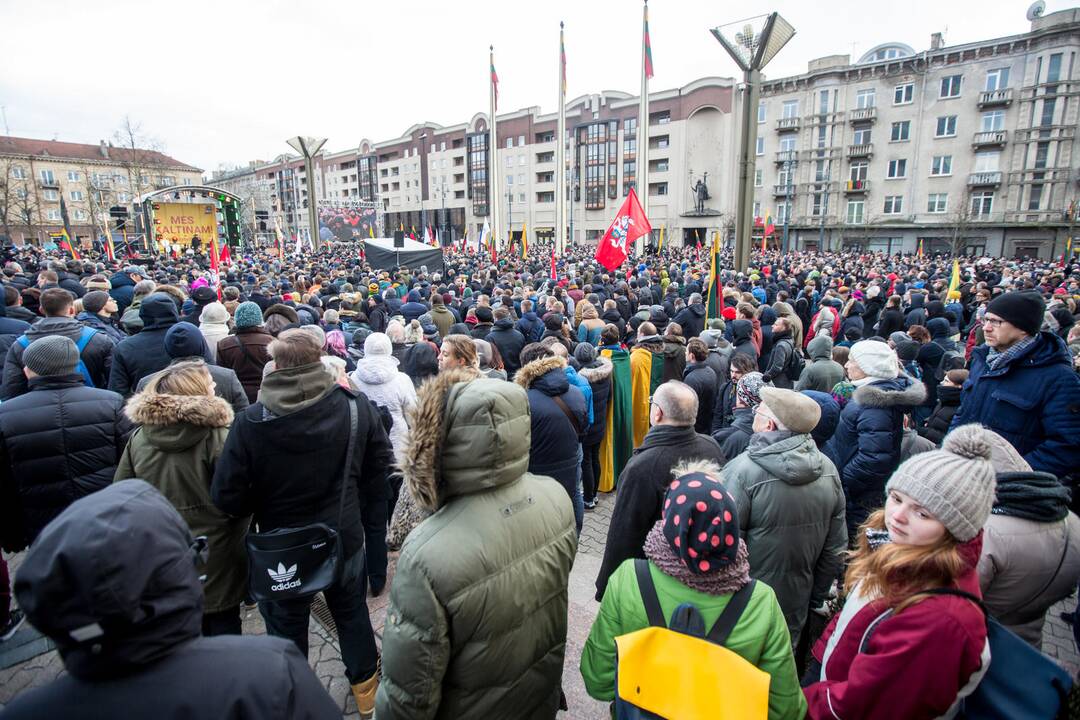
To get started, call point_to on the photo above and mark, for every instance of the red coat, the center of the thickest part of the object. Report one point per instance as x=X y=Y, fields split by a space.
x=915 y=663
x=755 y=334
x=813 y=325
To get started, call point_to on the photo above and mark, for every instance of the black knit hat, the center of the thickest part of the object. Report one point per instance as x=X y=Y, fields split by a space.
x=699 y=522
x=1022 y=309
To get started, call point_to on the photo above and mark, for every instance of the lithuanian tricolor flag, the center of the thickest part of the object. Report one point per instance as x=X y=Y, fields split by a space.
x=618 y=442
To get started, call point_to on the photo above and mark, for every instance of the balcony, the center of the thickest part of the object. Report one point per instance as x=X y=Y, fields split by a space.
x=984 y=179
x=787 y=156
x=990 y=138
x=856 y=187
x=990 y=98
x=784 y=190
x=867 y=114
x=858 y=151
x=786 y=124
x=48 y=184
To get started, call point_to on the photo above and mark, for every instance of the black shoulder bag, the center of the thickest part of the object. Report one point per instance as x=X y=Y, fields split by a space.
x=290 y=563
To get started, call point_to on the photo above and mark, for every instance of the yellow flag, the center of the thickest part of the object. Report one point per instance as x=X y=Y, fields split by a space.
x=954 y=283
x=660 y=245
x=524 y=240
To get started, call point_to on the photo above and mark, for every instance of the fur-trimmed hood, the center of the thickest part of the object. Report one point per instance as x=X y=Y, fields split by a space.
x=469 y=433
x=599 y=372
x=891 y=393
x=531 y=372
x=176 y=422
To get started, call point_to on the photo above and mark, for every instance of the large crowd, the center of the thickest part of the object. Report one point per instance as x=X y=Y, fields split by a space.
x=835 y=468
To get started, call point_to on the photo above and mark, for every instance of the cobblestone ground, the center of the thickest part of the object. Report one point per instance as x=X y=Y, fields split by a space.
x=325 y=656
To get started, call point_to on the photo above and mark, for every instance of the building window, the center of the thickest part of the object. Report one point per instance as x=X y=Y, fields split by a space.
x=53 y=214
x=47 y=177
x=861 y=136
x=859 y=170
x=1053 y=69
x=79 y=214
x=946 y=126
x=950 y=86
x=509 y=142
x=661 y=166
x=855 y=211
x=509 y=161
x=73 y=175
x=997 y=79
x=1035 y=198
x=477 y=155
x=509 y=179
x=937 y=203
x=761 y=113
x=993 y=121
x=593 y=154
x=787 y=143
x=757 y=209
x=18 y=172
x=662 y=142
x=521 y=161
x=658 y=188
x=545 y=197
x=982 y=202
x=903 y=94
x=894 y=204
x=759 y=178
x=122 y=197
x=941 y=165
x=76 y=195
x=790 y=109
x=901 y=131
x=51 y=195
x=864 y=98
x=897 y=169
x=989 y=161
x=760 y=147
x=660 y=118
x=521 y=141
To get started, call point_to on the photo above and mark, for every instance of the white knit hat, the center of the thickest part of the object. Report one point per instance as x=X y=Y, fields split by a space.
x=956 y=483
x=377 y=344
x=875 y=358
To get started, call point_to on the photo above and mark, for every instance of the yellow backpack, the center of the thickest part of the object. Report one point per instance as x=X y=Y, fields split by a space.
x=683 y=673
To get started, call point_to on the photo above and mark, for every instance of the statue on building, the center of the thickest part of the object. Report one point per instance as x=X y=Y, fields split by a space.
x=701 y=194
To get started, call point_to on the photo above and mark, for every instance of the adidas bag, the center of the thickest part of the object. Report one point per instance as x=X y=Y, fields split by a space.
x=683 y=672
x=289 y=563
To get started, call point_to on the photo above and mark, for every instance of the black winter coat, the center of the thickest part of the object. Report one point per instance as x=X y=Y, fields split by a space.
x=890 y=321
x=870 y=318
x=702 y=380
x=599 y=376
x=641 y=487
x=554 y=440
x=510 y=343
x=97 y=355
x=734 y=438
x=125 y=553
x=286 y=471
x=143 y=354
x=937 y=425
x=58 y=442
x=724 y=409
x=692 y=320
x=779 y=363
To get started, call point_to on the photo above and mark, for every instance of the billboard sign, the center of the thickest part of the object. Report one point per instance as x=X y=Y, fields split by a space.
x=342 y=220
x=180 y=222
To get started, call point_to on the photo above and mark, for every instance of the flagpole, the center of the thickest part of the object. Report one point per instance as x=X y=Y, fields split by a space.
x=643 y=124
x=493 y=144
x=560 y=152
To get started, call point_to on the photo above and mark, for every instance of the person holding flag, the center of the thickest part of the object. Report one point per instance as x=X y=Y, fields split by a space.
x=629 y=224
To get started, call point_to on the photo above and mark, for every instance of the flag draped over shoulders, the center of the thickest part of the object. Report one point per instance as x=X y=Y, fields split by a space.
x=646 y=374
x=618 y=442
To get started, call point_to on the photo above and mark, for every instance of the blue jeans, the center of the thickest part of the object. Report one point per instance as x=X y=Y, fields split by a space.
x=348 y=605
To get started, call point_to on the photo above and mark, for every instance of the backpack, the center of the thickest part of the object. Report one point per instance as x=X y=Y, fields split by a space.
x=1020 y=683
x=795 y=364
x=950 y=360
x=683 y=672
x=81 y=343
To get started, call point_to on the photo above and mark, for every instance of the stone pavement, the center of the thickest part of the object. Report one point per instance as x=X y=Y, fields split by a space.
x=325 y=657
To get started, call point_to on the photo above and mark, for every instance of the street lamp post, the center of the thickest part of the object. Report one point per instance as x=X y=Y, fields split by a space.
x=788 y=190
x=752 y=43
x=423 y=185
x=509 y=213
x=309 y=147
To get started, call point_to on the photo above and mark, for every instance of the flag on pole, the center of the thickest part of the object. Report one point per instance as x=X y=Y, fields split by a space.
x=494 y=79
x=954 y=282
x=226 y=256
x=371 y=231
x=660 y=245
x=920 y=247
x=647 y=45
x=1068 y=250
x=299 y=248
x=629 y=224
x=66 y=232
x=110 y=249
x=485 y=237
x=714 y=301
x=770 y=226
x=562 y=58
x=697 y=249
x=214 y=256
x=524 y=240
x=552 y=263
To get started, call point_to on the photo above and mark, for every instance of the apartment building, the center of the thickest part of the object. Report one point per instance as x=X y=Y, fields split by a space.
x=971 y=146
x=92 y=179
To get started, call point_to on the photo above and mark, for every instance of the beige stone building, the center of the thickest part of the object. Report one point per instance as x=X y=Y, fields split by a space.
x=92 y=180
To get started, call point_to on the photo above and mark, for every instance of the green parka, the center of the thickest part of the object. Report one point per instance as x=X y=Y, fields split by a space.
x=791 y=515
x=175 y=449
x=760 y=637
x=476 y=626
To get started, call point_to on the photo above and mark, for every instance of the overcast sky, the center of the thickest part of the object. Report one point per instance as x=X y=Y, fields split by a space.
x=225 y=82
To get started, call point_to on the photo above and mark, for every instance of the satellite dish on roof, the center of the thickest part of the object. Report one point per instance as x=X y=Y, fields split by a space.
x=1036 y=10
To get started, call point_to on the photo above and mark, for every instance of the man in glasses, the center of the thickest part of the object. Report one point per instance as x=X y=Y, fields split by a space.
x=1022 y=385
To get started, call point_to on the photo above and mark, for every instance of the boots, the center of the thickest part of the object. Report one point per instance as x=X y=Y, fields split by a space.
x=364 y=692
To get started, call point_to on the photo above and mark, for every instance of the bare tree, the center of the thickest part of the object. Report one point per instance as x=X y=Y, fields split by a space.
x=961 y=219
x=7 y=192
x=99 y=197
x=139 y=156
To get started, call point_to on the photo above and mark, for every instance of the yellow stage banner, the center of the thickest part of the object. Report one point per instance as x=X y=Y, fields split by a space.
x=179 y=222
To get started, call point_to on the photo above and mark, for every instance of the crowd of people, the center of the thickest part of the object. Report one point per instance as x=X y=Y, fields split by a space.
x=821 y=453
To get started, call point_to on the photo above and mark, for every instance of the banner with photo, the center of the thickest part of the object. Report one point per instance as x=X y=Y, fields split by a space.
x=347 y=220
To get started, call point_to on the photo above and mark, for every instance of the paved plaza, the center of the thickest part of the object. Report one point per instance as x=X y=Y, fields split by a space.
x=325 y=657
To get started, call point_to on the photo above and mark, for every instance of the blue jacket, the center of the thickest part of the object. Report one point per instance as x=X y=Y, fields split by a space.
x=866 y=445
x=123 y=290
x=1033 y=401
x=531 y=326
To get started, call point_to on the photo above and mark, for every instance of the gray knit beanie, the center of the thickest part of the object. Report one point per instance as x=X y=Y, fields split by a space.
x=956 y=483
x=248 y=314
x=51 y=355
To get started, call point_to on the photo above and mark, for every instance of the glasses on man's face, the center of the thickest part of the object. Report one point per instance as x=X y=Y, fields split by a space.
x=993 y=322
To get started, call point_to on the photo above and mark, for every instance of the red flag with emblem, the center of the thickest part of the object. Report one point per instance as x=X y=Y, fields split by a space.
x=225 y=258
x=629 y=224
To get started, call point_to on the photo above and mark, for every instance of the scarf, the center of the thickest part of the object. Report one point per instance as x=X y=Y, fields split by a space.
x=725 y=581
x=1033 y=496
x=876 y=538
x=996 y=358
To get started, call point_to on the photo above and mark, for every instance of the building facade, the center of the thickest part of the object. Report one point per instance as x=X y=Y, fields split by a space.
x=95 y=181
x=971 y=147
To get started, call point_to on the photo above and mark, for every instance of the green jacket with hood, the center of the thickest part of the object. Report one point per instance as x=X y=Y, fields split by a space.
x=791 y=515
x=476 y=626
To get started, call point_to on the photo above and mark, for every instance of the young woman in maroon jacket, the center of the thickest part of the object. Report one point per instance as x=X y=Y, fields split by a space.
x=895 y=651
